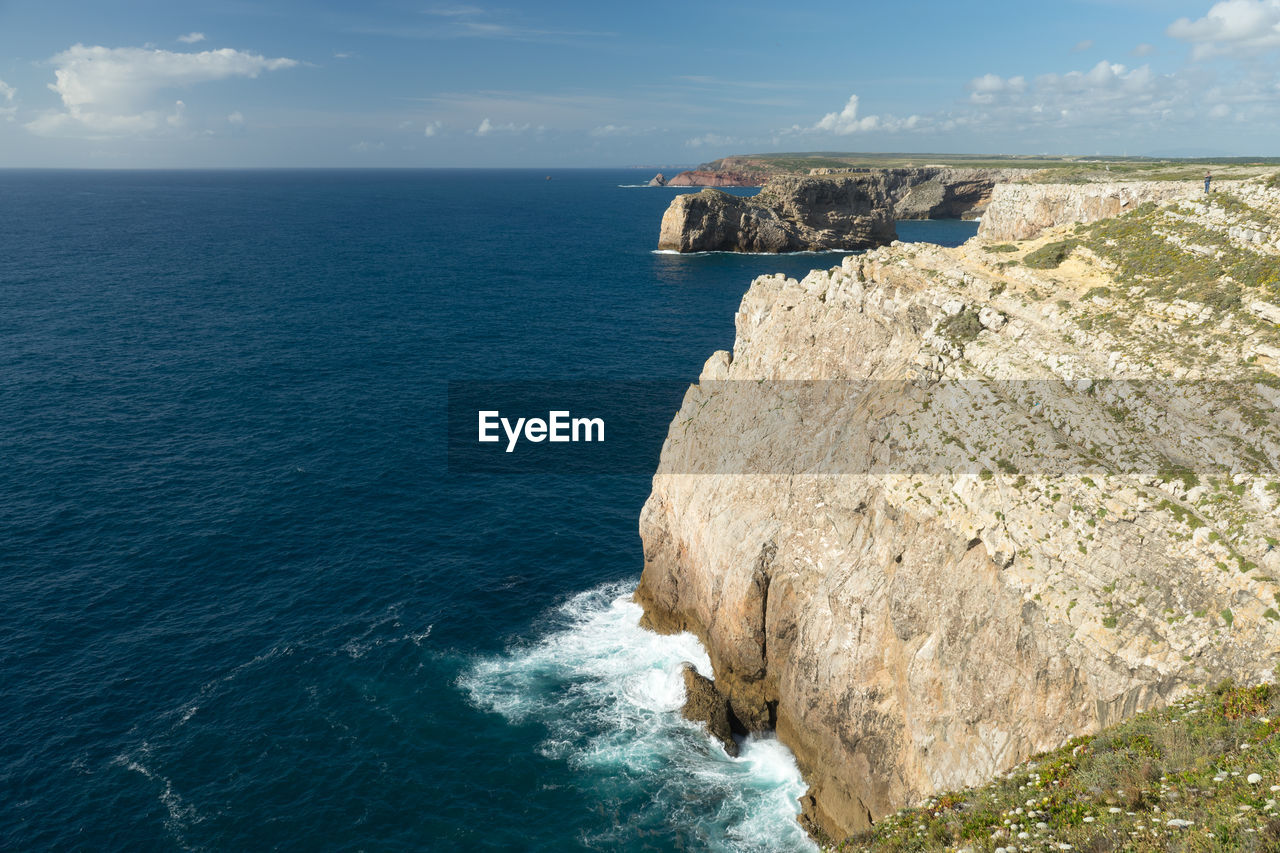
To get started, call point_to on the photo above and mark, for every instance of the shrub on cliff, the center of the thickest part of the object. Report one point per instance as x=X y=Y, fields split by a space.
x=1051 y=255
x=1202 y=774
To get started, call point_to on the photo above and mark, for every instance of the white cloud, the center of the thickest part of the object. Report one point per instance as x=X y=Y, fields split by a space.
x=7 y=94
x=1144 y=49
x=368 y=147
x=710 y=139
x=1248 y=26
x=191 y=38
x=985 y=89
x=1082 y=46
x=848 y=122
x=111 y=91
x=433 y=128
x=487 y=127
x=610 y=130
x=236 y=117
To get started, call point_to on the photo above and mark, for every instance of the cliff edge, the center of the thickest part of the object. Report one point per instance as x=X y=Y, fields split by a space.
x=942 y=509
x=788 y=215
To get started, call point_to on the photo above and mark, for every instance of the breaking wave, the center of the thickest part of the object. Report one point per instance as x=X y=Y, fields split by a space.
x=607 y=695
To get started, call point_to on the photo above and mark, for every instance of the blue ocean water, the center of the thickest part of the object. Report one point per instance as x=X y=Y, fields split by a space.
x=246 y=605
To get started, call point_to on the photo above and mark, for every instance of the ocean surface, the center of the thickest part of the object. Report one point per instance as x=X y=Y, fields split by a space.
x=246 y=605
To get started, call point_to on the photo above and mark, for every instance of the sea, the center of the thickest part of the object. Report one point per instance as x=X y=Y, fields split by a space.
x=248 y=605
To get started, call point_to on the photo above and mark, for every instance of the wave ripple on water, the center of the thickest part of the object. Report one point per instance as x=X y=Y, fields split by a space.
x=607 y=695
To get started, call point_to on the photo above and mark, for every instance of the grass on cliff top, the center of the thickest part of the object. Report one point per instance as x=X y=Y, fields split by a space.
x=1200 y=775
x=1066 y=169
x=1173 y=258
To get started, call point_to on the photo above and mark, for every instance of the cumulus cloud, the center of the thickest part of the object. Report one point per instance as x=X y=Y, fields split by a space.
x=191 y=38
x=1107 y=102
x=985 y=89
x=433 y=128
x=487 y=127
x=848 y=122
x=1246 y=26
x=7 y=94
x=112 y=91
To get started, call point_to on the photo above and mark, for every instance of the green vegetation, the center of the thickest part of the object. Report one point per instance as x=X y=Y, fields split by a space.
x=961 y=328
x=1051 y=255
x=1171 y=257
x=1068 y=169
x=1201 y=775
x=1001 y=247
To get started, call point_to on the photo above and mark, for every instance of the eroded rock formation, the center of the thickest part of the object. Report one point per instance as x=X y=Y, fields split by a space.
x=788 y=215
x=717 y=178
x=922 y=579
x=938 y=192
x=918 y=192
x=705 y=704
x=1022 y=211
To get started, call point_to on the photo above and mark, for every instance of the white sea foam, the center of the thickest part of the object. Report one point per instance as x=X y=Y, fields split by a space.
x=608 y=695
x=181 y=813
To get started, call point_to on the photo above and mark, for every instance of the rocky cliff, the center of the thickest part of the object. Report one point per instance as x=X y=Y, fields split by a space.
x=1022 y=211
x=924 y=192
x=788 y=215
x=938 y=192
x=717 y=178
x=941 y=509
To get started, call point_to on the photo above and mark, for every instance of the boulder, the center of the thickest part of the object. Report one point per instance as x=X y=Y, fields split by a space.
x=705 y=704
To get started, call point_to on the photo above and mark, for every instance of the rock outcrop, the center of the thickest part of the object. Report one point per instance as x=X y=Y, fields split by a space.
x=1022 y=211
x=717 y=178
x=938 y=192
x=923 y=192
x=788 y=215
x=926 y=528
x=705 y=704
x=658 y=180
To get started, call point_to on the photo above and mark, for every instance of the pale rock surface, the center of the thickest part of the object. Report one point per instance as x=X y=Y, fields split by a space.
x=909 y=613
x=1021 y=211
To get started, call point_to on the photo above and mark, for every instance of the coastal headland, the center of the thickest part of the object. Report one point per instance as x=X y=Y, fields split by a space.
x=819 y=202
x=940 y=510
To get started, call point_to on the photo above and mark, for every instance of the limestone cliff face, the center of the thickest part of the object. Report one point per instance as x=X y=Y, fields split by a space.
x=717 y=178
x=920 y=583
x=1022 y=211
x=920 y=192
x=939 y=192
x=788 y=215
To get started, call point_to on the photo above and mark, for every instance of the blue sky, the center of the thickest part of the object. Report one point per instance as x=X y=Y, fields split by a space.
x=402 y=83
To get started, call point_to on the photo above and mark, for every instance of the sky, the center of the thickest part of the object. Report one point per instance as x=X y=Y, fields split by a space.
x=562 y=83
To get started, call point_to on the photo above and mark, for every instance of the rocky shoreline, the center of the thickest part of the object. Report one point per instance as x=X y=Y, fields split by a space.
x=788 y=215
x=907 y=625
x=836 y=209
